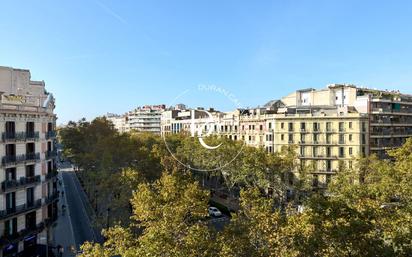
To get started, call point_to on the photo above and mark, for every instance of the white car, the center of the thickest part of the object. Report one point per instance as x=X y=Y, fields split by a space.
x=214 y=212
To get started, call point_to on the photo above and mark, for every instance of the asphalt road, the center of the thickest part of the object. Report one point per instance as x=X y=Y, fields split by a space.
x=80 y=221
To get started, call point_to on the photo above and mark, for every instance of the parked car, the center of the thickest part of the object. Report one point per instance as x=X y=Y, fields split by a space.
x=214 y=212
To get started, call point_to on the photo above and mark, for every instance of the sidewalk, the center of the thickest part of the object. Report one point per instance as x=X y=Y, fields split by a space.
x=63 y=232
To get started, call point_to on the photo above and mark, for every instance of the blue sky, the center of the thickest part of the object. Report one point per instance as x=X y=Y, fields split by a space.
x=100 y=56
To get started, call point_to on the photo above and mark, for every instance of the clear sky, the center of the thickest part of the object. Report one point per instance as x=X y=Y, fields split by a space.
x=100 y=56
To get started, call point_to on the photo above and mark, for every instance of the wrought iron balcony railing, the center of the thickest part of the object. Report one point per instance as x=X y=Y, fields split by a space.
x=15 y=159
x=20 y=136
x=23 y=181
x=20 y=209
x=51 y=154
x=50 y=134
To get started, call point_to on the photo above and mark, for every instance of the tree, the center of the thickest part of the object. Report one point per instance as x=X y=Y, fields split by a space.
x=168 y=220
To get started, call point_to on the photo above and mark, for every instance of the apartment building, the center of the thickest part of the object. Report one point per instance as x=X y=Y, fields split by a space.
x=28 y=193
x=146 y=118
x=330 y=126
x=120 y=122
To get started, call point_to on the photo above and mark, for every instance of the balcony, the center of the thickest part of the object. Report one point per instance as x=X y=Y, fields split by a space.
x=52 y=197
x=32 y=157
x=51 y=154
x=50 y=134
x=51 y=174
x=20 y=209
x=20 y=136
x=19 y=236
x=330 y=130
x=22 y=158
x=23 y=181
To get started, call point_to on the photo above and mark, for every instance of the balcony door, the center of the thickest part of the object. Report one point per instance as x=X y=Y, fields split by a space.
x=30 y=148
x=30 y=129
x=31 y=220
x=10 y=227
x=10 y=150
x=10 y=128
x=30 y=196
x=30 y=171
x=11 y=202
x=10 y=174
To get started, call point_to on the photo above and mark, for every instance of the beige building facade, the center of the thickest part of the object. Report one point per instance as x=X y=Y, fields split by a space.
x=330 y=127
x=28 y=194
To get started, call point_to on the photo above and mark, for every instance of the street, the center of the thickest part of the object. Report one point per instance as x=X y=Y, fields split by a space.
x=74 y=225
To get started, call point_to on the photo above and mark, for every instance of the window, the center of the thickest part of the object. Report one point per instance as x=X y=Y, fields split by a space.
x=270 y=125
x=290 y=126
x=11 y=201
x=253 y=127
x=30 y=148
x=315 y=126
x=363 y=139
x=302 y=151
x=49 y=126
x=30 y=171
x=350 y=164
x=328 y=126
x=235 y=127
x=350 y=124
x=10 y=227
x=341 y=139
x=11 y=174
x=260 y=127
x=31 y=220
x=314 y=151
x=302 y=138
x=350 y=137
x=10 y=129
x=250 y=138
x=341 y=152
x=328 y=139
x=303 y=126
x=341 y=126
x=30 y=127
x=282 y=137
x=281 y=125
x=328 y=151
x=290 y=137
x=30 y=196
x=10 y=150
x=350 y=150
x=363 y=127
x=329 y=165
x=315 y=138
